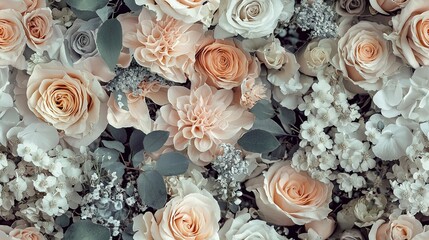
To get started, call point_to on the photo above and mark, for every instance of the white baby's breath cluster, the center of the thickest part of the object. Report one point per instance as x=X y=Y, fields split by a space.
x=38 y=186
x=317 y=16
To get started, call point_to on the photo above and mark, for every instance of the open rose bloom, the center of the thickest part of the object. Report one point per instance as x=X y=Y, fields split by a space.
x=214 y=119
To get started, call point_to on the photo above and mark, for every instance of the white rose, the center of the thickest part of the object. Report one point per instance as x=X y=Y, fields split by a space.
x=186 y=11
x=272 y=54
x=314 y=56
x=240 y=228
x=248 y=18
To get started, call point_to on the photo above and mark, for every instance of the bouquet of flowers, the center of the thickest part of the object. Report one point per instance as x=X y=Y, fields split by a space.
x=214 y=119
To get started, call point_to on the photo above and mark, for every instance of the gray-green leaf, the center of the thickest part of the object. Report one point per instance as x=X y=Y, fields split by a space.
x=287 y=118
x=114 y=145
x=117 y=167
x=106 y=156
x=86 y=230
x=136 y=140
x=151 y=188
x=121 y=99
x=172 y=163
x=109 y=42
x=138 y=158
x=104 y=13
x=119 y=134
x=86 y=5
x=155 y=140
x=270 y=126
x=258 y=141
x=131 y=4
x=263 y=109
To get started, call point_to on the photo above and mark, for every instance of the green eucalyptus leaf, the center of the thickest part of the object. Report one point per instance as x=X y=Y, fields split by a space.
x=258 y=141
x=269 y=125
x=138 y=158
x=136 y=140
x=131 y=4
x=84 y=15
x=117 y=167
x=119 y=134
x=106 y=156
x=287 y=117
x=263 y=109
x=155 y=140
x=104 y=12
x=109 y=42
x=151 y=188
x=86 y=230
x=276 y=154
x=114 y=145
x=121 y=99
x=172 y=163
x=63 y=220
x=87 y=5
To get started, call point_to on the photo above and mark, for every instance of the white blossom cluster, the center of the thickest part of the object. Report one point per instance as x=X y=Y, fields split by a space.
x=109 y=204
x=37 y=186
x=332 y=139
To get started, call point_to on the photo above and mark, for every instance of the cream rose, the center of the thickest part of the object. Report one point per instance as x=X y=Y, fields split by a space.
x=248 y=18
x=192 y=215
x=29 y=233
x=22 y=6
x=386 y=6
x=272 y=54
x=364 y=56
x=404 y=227
x=410 y=33
x=240 y=228
x=324 y=228
x=12 y=39
x=314 y=56
x=41 y=32
x=186 y=11
x=73 y=101
x=224 y=63
x=286 y=197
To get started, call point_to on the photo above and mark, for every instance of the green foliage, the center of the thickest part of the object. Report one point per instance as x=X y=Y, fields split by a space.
x=151 y=188
x=270 y=126
x=287 y=118
x=114 y=145
x=121 y=99
x=172 y=163
x=86 y=230
x=155 y=140
x=136 y=141
x=109 y=42
x=87 y=5
x=263 y=109
x=258 y=141
x=131 y=4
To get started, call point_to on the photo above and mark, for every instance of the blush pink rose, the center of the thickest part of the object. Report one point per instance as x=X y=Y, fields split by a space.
x=22 y=6
x=410 y=33
x=386 y=6
x=71 y=100
x=404 y=227
x=29 y=233
x=324 y=228
x=200 y=119
x=41 y=32
x=167 y=47
x=364 y=56
x=286 y=197
x=138 y=115
x=224 y=63
x=12 y=39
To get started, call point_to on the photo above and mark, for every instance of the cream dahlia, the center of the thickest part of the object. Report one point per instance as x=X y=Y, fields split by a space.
x=166 y=46
x=200 y=119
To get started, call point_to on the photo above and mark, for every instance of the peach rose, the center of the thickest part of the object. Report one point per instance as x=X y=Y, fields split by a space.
x=364 y=56
x=41 y=32
x=410 y=33
x=224 y=63
x=192 y=215
x=201 y=119
x=22 y=6
x=138 y=113
x=386 y=6
x=324 y=228
x=404 y=227
x=29 y=233
x=34 y=4
x=286 y=197
x=167 y=47
x=12 y=39
x=186 y=11
x=73 y=101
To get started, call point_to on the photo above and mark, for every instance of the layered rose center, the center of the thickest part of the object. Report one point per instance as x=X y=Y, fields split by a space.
x=400 y=232
x=222 y=62
x=423 y=32
x=250 y=11
x=37 y=27
x=368 y=51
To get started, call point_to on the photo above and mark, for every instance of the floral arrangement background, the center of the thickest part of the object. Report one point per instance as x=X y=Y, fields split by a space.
x=214 y=119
